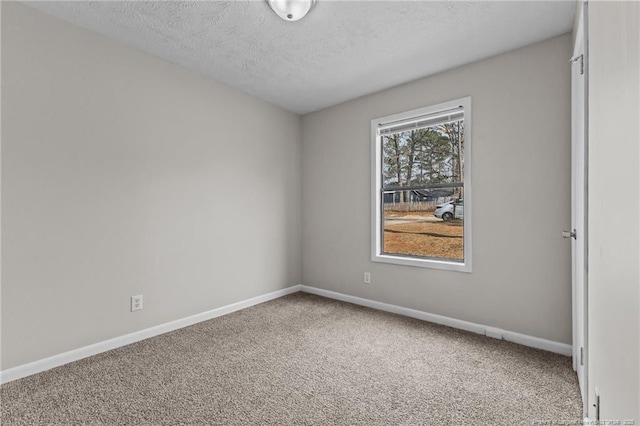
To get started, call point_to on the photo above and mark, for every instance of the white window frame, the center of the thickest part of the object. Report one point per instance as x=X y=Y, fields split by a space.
x=377 y=254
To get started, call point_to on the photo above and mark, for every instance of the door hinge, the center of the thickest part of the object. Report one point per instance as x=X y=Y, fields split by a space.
x=597 y=406
x=581 y=356
x=581 y=59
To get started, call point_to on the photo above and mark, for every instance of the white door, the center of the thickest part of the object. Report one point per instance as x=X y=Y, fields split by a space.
x=579 y=210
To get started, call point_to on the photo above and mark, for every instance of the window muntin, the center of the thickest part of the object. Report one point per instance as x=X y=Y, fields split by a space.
x=421 y=180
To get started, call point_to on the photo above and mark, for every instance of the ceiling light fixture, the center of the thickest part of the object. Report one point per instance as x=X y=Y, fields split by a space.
x=291 y=10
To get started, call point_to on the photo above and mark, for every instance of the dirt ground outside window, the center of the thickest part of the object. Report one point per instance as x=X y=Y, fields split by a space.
x=422 y=234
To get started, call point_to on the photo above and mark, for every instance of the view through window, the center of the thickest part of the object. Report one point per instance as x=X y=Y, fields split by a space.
x=422 y=185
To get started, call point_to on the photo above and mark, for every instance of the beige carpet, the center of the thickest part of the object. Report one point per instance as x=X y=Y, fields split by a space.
x=303 y=360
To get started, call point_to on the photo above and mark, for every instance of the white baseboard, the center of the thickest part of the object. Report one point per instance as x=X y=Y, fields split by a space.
x=87 y=351
x=127 y=339
x=522 y=339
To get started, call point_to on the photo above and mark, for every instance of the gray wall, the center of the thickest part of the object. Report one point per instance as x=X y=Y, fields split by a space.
x=124 y=174
x=614 y=236
x=521 y=187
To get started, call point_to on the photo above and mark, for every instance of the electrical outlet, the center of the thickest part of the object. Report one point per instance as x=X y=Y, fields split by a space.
x=367 y=277
x=136 y=303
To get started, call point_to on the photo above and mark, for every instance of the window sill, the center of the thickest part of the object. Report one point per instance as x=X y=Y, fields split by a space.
x=423 y=263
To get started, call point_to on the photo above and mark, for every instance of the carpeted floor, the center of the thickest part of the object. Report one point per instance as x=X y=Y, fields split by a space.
x=303 y=360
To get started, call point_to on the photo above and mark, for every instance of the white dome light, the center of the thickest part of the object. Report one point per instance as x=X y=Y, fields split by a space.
x=291 y=10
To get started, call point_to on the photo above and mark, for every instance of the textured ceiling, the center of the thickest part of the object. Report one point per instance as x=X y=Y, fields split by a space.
x=340 y=51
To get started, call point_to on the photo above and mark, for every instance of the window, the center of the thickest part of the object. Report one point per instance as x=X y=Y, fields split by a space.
x=421 y=181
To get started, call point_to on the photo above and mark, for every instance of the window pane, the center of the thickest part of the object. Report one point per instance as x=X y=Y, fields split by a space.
x=425 y=223
x=425 y=156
